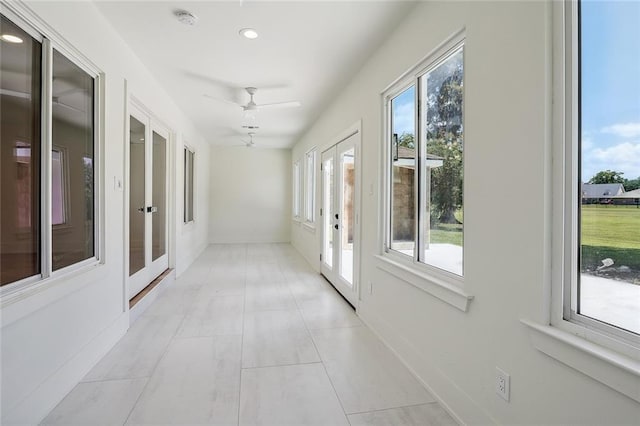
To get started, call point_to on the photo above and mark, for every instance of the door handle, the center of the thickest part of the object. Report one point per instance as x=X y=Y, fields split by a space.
x=141 y=209
x=335 y=226
x=336 y=215
x=152 y=209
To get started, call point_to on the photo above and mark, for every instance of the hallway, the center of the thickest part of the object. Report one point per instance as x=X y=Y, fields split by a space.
x=249 y=334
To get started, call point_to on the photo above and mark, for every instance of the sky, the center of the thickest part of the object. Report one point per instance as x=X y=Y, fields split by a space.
x=610 y=89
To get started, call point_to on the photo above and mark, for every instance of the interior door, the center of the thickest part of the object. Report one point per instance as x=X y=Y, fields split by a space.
x=340 y=230
x=148 y=206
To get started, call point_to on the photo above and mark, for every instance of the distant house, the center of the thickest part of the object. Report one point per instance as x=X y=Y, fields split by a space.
x=600 y=193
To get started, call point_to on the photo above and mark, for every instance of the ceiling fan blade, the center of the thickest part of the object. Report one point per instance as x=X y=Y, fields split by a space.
x=226 y=101
x=288 y=104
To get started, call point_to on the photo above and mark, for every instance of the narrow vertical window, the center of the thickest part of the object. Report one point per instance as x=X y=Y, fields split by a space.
x=189 y=160
x=607 y=288
x=403 y=169
x=442 y=164
x=296 y=189
x=20 y=112
x=310 y=187
x=73 y=132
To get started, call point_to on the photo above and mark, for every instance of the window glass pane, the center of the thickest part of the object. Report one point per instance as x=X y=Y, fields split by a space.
x=329 y=211
x=442 y=175
x=609 y=283
x=58 y=190
x=296 y=189
x=20 y=84
x=403 y=157
x=72 y=129
x=189 y=158
x=310 y=192
x=159 y=197
x=347 y=213
x=137 y=132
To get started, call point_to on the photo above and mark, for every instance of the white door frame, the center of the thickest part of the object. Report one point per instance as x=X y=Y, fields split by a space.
x=152 y=124
x=351 y=136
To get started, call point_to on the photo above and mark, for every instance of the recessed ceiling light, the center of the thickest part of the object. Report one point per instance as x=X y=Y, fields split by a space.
x=11 y=38
x=249 y=33
x=186 y=18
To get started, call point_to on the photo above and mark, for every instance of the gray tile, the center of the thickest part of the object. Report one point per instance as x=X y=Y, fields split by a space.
x=326 y=310
x=366 y=375
x=290 y=395
x=276 y=338
x=197 y=382
x=417 y=415
x=138 y=352
x=97 y=403
x=213 y=316
x=175 y=300
x=263 y=297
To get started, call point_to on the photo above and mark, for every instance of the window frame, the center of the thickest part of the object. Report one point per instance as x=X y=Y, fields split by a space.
x=187 y=149
x=566 y=193
x=296 y=186
x=310 y=185
x=421 y=271
x=50 y=41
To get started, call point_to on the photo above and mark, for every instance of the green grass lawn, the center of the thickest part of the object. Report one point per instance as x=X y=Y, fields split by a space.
x=611 y=232
x=443 y=233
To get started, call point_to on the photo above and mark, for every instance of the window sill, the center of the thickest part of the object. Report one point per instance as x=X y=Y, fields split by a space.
x=611 y=368
x=310 y=226
x=437 y=287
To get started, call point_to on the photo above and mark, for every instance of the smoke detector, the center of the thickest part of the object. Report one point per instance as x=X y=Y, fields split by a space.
x=185 y=17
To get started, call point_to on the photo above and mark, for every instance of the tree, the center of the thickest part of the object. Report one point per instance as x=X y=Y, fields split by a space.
x=631 y=184
x=607 y=176
x=445 y=137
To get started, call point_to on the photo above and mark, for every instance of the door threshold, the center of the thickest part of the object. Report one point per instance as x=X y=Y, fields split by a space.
x=138 y=297
x=337 y=291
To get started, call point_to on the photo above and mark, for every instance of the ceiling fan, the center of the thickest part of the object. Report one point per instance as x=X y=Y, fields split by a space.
x=253 y=106
x=250 y=143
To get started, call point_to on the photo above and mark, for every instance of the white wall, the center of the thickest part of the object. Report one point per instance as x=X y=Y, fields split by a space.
x=250 y=195
x=51 y=337
x=507 y=63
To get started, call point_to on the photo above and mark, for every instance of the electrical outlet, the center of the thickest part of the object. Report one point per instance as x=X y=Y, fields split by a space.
x=502 y=384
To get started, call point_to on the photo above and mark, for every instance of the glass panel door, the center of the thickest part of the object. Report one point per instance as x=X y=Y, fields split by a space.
x=148 y=206
x=327 y=208
x=137 y=134
x=347 y=214
x=340 y=216
x=159 y=197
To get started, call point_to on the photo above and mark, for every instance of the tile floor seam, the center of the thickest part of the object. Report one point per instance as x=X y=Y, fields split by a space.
x=281 y=365
x=153 y=370
x=324 y=367
x=393 y=408
x=244 y=307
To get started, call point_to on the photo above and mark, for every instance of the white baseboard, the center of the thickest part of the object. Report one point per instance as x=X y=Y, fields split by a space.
x=453 y=399
x=45 y=397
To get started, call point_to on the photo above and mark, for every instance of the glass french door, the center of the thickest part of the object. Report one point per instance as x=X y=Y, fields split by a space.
x=340 y=233
x=148 y=206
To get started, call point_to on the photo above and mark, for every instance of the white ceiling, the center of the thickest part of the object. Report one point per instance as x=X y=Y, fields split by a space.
x=306 y=51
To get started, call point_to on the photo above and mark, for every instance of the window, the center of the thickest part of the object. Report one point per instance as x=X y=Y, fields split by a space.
x=48 y=187
x=297 y=177
x=601 y=283
x=189 y=162
x=310 y=187
x=425 y=173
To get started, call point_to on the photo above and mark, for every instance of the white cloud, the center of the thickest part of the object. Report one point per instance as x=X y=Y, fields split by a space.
x=625 y=130
x=623 y=157
x=404 y=117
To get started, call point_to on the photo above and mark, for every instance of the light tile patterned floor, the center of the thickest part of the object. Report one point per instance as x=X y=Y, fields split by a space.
x=249 y=335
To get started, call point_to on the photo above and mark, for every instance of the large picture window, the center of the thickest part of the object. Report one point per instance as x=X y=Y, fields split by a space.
x=602 y=205
x=48 y=177
x=424 y=147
